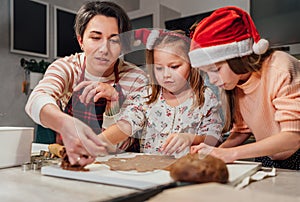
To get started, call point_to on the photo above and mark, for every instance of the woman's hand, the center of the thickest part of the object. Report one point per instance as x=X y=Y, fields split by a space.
x=177 y=142
x=224 y=154
x=82 y=144
x=96 y=90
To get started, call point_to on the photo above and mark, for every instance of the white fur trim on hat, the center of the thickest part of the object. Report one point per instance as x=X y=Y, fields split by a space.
x=213 y=54
x=152 y=38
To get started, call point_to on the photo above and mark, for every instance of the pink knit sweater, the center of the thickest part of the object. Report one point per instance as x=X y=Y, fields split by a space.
x=270 y=100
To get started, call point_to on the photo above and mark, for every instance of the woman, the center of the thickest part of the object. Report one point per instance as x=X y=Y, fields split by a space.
x=263 y=87
x=84 y=84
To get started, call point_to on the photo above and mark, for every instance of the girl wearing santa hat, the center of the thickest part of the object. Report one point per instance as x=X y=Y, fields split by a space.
x=178 y=110
x=262 y=86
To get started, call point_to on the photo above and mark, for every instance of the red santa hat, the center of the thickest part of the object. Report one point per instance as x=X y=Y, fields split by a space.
x=146 y=36
x=227 y=33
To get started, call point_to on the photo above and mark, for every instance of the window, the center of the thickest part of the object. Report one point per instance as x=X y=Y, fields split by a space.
x=65 y=41
x=29 y=31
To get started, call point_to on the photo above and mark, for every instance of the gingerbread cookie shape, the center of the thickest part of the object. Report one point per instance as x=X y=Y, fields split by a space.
x=140 y=163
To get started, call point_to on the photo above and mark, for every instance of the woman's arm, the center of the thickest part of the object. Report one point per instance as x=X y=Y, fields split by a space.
x=79 y=139
x=278 y=147
x=207 y=139
x=235 y=139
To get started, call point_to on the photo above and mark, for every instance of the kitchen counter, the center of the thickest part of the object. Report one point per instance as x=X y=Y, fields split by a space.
x=287 y=182
x=30 y=185
x=18 y=185
x=283 y=187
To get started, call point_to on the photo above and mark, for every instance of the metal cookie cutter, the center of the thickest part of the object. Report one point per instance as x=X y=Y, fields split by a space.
x=36 y=165
x=26 y=166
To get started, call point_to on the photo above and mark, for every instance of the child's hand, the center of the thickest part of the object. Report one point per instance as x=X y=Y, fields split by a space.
x=177 y=142
x=222 y=153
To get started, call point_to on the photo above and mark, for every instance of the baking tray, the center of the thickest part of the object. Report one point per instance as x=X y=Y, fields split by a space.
x=100 y=173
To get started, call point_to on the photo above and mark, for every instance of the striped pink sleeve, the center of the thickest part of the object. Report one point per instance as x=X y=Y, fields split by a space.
x=56 y=86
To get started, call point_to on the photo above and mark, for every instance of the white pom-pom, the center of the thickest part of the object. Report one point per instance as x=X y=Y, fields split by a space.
x=261 y=46
x=137 y=42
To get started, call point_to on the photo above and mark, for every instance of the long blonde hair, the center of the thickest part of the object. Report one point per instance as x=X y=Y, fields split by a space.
x=178 y=39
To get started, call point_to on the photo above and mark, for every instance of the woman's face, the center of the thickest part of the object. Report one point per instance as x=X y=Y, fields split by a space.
x=171 y=69
x=222 y=76
x=101 y=45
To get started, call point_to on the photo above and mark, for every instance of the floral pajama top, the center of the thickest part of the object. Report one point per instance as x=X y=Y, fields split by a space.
x=157 y=120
